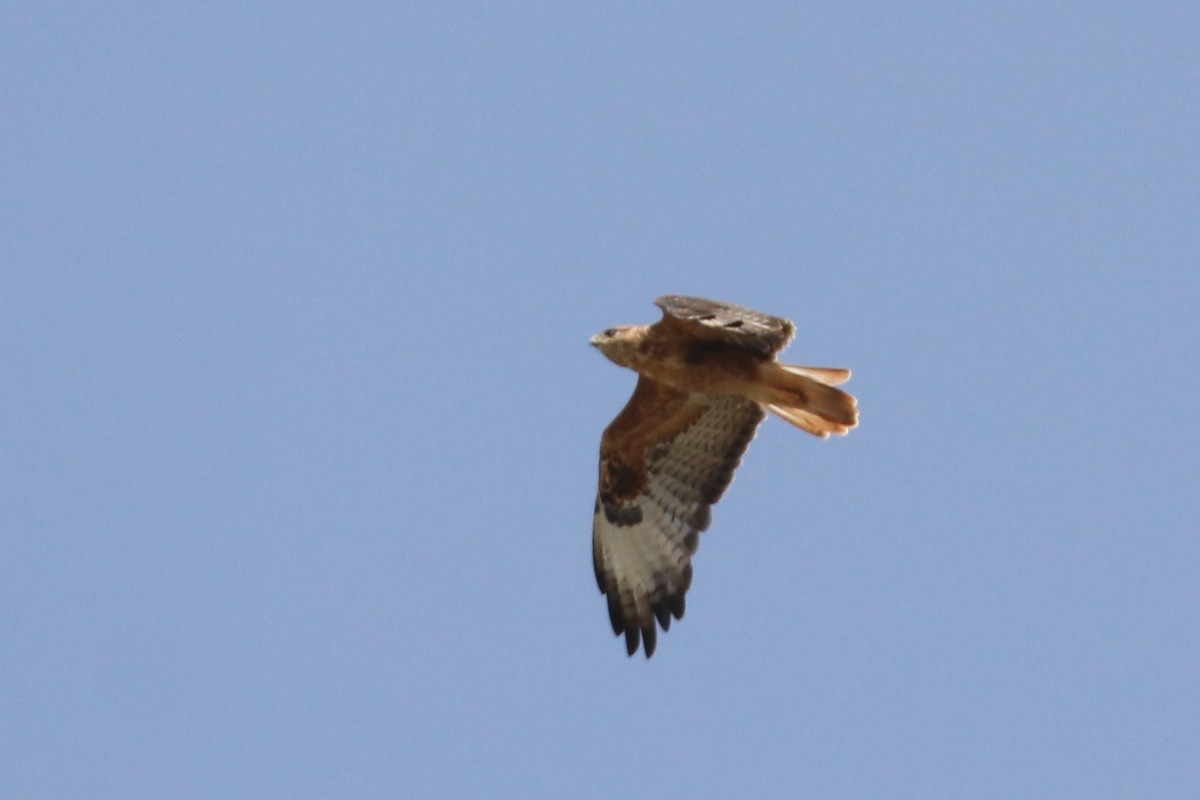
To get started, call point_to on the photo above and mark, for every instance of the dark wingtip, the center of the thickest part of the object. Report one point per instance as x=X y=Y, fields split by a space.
x=645 y=638
x=614 y=615
x=663 y=612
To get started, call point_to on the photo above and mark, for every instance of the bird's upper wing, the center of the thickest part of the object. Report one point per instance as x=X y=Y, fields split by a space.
x=665 y=459
x=709 y=319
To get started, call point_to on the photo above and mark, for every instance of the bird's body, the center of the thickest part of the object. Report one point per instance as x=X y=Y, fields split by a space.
x=707 y=375
x=680 y=361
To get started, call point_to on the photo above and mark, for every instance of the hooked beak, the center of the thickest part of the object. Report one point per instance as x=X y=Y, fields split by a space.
x=595 y=341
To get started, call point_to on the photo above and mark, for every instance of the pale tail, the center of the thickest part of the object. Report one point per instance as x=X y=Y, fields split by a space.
x=806 y=397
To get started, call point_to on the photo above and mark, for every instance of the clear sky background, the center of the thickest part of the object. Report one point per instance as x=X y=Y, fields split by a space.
x=299 y=420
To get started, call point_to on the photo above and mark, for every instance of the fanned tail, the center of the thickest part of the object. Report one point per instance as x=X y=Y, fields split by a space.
x=805 y=397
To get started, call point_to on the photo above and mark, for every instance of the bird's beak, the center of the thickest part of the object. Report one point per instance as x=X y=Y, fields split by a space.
x=595 y=341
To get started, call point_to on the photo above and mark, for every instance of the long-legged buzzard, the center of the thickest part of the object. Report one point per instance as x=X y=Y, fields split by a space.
x=707 y=377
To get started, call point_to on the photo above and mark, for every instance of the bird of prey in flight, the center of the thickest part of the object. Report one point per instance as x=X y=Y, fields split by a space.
x=707 y=375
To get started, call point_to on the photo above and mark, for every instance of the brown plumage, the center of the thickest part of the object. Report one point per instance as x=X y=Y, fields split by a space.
x=707 y=375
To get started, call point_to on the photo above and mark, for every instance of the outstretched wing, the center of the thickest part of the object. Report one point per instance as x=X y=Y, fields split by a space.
x=711 y=320
x=664 y=461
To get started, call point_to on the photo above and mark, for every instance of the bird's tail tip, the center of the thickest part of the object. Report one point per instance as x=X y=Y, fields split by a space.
x=808 y=398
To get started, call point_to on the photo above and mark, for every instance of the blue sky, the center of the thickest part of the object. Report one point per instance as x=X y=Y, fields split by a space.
x=300 y=424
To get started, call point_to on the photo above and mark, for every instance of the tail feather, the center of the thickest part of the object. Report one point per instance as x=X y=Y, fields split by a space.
x=834 y=376
x=804 y=397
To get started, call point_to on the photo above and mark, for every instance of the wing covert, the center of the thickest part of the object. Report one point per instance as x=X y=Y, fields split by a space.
x=742 y=327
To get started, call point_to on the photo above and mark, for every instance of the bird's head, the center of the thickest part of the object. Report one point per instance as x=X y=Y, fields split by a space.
x=618 y=344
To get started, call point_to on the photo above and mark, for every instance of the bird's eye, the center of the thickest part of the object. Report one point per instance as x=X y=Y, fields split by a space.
x=610 y=332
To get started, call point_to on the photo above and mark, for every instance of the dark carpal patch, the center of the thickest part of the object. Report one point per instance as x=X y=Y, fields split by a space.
x=618 y=481
x=624 y=514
